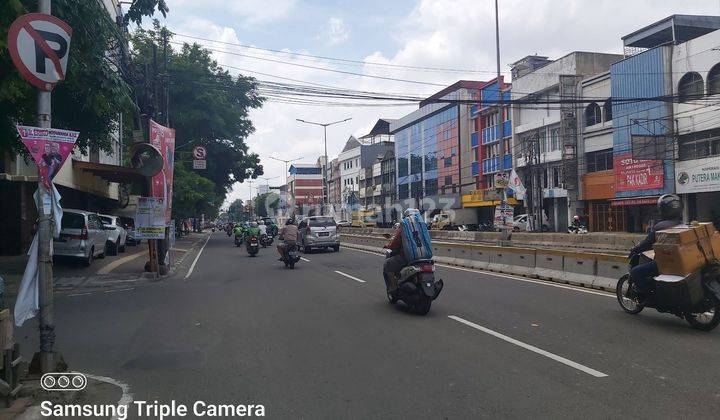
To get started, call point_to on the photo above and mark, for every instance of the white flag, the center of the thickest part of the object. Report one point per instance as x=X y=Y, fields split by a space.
x=515 y=184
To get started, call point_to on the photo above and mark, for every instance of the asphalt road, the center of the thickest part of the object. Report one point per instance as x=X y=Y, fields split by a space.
x=313 y=343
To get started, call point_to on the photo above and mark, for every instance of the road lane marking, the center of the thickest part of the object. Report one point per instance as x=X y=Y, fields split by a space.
x=197 y=257
x=118 y=290
x=117 y=263
x=509 y=276
x=80 y=294
x=534 y=349
x=304 y=259
x=349 y=276
x=126 y=399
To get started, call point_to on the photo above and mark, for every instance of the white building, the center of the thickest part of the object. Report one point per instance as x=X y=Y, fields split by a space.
x=545 y=136
x=696 y=72
x=349 y=161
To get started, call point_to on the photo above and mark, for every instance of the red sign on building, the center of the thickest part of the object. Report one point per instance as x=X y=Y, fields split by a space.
x=633 y=174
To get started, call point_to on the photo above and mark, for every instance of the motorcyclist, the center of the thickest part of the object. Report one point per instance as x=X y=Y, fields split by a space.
x=397 y=261
x=289 y=235
x=575 y=225
x=253 y=229
x=238 y=230
x=670 y=210
x=262 y=227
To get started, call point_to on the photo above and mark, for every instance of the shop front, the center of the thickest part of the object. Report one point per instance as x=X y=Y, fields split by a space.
x=697 y=182
x=484 y=202
x=638 y=185
x=598 y=192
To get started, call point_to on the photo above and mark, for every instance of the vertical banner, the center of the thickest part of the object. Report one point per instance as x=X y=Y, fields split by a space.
x=49 y=148
x=163 y=138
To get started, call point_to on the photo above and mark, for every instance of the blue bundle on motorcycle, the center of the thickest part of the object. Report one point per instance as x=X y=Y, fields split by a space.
x=416 y=239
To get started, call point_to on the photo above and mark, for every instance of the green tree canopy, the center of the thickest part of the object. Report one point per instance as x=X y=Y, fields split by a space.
x=193 y=195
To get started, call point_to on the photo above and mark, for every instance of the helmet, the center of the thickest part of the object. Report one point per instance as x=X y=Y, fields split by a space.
x=253 y=224
x=669 y=206
x=576 y=217
x=290 y=221
x=410 y=212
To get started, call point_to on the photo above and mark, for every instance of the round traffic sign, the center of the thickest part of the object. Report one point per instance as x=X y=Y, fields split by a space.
x=199 y=152
x=39 y=45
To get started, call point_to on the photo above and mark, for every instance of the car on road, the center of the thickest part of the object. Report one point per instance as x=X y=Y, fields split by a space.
x=117 y=235
x=128 y=223
x=82 y=236
x=319 y=232
x=343 y=223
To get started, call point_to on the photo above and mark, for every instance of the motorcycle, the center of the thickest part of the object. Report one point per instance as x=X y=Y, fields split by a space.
x=291 y=256
x=253 y=246
x=581 y=230
x=698 y=303
x=238 y=240
x=417 y=286
x=265 y=240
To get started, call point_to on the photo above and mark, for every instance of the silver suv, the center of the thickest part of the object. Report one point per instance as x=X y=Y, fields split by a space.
x=319 y=232
x=82 y=235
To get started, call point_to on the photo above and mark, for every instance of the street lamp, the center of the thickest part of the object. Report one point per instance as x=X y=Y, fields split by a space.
x=324 y=126
x=286 y=161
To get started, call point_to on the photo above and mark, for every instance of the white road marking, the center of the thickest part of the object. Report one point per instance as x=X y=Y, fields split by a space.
x=304 y=259
x=126 y=399
x=118 y=290
x=534 y=349
x=197 y=257
x=350 y=277
x=80 y=294
x=510 y=276
x=117 y=263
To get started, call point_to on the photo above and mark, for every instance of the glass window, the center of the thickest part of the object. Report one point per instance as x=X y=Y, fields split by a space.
x=690 y=87
x=592 y=115
x=431 y=187
x=403 y=191
x=106 y=220
x=448 y=162
x=448 y=180
x=72 y=221
x=713 y=82
x=601 y=160
x=607 y=109
x=322 y=222
x=543 y=141
x=555 y=138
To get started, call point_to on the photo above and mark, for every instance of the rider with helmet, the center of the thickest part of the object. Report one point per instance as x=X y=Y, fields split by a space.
x=289 y=236
x=394 y=264
x=670 y=210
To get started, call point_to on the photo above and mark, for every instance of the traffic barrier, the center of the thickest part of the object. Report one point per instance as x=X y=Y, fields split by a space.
x=599 y=271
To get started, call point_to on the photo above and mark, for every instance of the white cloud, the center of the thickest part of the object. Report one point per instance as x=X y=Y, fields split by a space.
x=247 y=12
x=335 y=31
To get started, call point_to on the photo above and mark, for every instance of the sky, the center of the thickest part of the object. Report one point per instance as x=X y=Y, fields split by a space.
x=449 y=34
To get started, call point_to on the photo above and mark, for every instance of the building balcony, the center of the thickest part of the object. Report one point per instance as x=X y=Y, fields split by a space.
x=492 y=134
x=492 y=165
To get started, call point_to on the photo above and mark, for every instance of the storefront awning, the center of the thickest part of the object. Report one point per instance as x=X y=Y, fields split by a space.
x=112 y=173
x=634 y=201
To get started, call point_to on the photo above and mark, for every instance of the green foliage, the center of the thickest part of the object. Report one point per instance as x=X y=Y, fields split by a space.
x=265 y=202
x=140 y=8
x=208 y=106
x=94 y=92
x=193 y=195
x=237 y=212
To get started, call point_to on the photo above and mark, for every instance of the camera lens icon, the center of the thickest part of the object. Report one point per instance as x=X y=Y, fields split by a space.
x=65 y=381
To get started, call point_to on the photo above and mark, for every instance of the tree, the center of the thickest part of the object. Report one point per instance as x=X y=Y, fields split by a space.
x=266 y=202
x=193 y=195
x=208 y=106
x=237 y=211
x=96 y=87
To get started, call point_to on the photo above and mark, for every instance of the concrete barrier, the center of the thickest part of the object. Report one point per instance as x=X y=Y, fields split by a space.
x=599 y=271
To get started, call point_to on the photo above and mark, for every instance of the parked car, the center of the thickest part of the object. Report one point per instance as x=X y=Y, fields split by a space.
x=117 y=235
x=128 y=223
x=343 y=223
x=520 y=223
x=82 y=235
x=319 y=232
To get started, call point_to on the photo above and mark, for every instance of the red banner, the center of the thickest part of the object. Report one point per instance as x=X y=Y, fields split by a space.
x=633 y=174
x=164 y=139
x=49 y=148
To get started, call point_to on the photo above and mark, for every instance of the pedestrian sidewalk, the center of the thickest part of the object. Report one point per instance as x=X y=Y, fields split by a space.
x=70 y=275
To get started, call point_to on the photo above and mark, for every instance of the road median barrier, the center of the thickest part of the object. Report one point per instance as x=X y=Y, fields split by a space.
x=592 y=270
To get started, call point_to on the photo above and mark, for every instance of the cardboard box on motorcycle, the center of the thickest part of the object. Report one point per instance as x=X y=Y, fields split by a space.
x=683 y=250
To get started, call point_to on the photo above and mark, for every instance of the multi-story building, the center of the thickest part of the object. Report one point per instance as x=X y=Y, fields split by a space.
x=428 y=142
x=644 y=146
x=333 y=182
x=595 y=157
x=305 y=185
x=349 y=162
x=544 y=136
x=487 y=133
x=380 y=141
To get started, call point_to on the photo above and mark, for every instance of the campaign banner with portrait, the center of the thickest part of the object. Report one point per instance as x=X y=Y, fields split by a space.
x=49 y=148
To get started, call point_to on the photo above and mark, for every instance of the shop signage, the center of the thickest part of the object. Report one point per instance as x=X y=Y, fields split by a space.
x=150 y=218
x=701 y=175
x=634 y=174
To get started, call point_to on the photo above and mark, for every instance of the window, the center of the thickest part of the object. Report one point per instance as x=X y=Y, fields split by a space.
x=72 y=221
x=448 y=180
x=690 y=87
x=431 y=187
x=448 y=162
x=602 y=160
x=607 y=109
x=555 y=138
x=592 y=115
x=713 y=82
x=403 y=191
x=322 y=222
x=543 y=141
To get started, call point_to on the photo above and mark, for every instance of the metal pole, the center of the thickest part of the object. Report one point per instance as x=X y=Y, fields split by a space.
x=325 y=183
x=501 y=163
x=45 y=268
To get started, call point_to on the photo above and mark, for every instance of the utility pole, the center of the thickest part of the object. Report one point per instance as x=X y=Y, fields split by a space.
x=45 y=235
x=501 y=118
x=325 y=164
